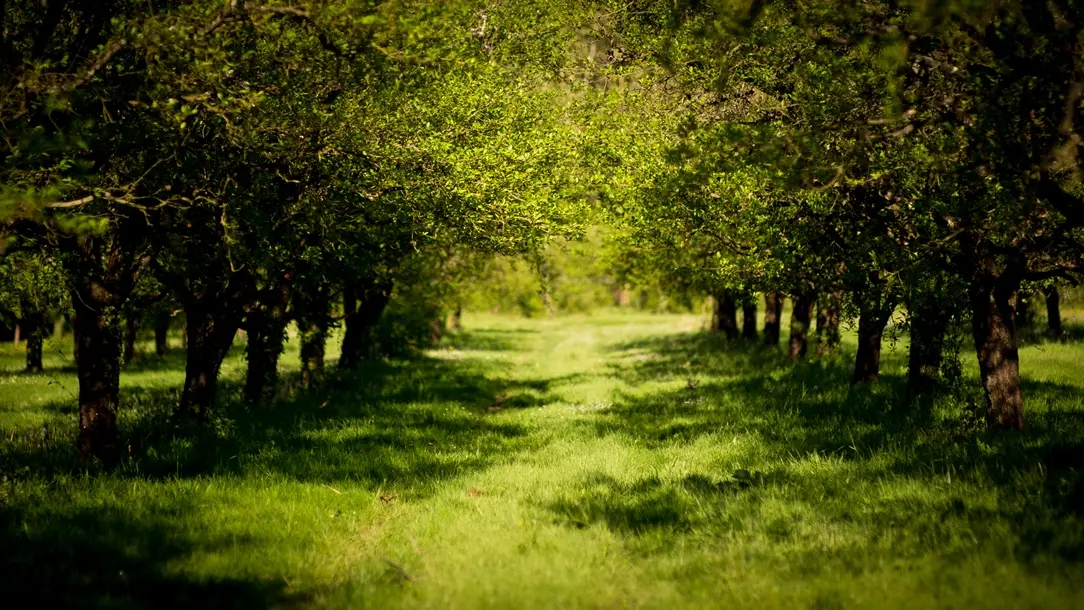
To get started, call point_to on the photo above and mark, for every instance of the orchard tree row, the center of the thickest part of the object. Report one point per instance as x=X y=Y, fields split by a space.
x=253 y=163
x=867 y=157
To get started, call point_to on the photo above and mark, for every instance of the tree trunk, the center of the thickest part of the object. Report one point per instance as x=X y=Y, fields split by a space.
x=313 y=346
x=312 y=308
x=98 y=344
x=161 y=334
x=725 y=318
x=210 y=331
x=828 y=336
x=749 y=321
x=873 y=315
x=929 y=322
x=993 y=325
x=800 y=317
x=102 y=271
x=773 y=314
x=18 y=336
x=1053 y=312
x=359 y=340
x=131 y=333
x=1025 y=316
x=266 y=329
x=436 y=329
x=457 y=318
x=34 y=325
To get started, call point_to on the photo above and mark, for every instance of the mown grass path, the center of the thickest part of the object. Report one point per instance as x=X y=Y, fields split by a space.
x=604 y=461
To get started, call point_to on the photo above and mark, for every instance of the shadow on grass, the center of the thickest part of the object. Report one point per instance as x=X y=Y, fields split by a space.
x=401 y=423
x=651 y=504
x=490 y=339
x=399 y=427
x=107 y=557
x=144 y=362
x=804 y=413
x=1038 y=334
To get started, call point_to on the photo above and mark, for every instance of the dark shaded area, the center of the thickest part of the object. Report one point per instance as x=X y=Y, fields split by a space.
x=491 y=340
x=370 y=425
x=811 y=408
x=1036 y=335
x=106 y=558
x=652 y=504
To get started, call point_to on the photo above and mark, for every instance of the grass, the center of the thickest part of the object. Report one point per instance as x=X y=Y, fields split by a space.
x=615 y=460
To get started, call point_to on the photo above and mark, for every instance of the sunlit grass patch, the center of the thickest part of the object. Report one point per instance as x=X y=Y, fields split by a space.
x=596 y=461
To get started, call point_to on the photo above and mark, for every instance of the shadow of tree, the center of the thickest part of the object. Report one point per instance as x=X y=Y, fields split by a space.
x=806 y=410
x=402 y=423
x=397 y=426
x=490 y=339
x=107 y=557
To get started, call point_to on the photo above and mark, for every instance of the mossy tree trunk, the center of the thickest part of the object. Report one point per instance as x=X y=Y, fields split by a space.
x=800 y=318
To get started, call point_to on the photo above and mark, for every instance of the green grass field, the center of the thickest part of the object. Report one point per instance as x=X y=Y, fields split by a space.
x=615 y=460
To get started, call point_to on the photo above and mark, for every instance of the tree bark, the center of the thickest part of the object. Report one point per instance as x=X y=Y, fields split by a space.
x=457 y=318
x=929 y=320
x=993 y=325
x=98 y=341
x=131 y=333
x=34 y=324
x=210 y=328
x=773 y=314
x=103 y=271
x=749 y=321
x=369 y=301
x=800 y=317
x=161 y=334
x=313 y=347
x=436 y=329
x=1053 y=312
x=312 y=308
x=725 y=318
x=828 y=311
x=874 y=311
x=1025 y=316
x=266 y=329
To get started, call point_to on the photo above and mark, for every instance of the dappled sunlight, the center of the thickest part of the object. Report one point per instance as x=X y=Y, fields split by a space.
x=634 y=446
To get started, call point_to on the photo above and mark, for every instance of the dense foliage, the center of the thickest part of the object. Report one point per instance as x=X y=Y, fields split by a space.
x=379 y=166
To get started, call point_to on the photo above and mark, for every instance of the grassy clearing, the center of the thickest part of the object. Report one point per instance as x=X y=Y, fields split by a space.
x=599 y=461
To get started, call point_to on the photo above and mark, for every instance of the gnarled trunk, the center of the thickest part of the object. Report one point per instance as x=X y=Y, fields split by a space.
x=364 y=304
x=1053 y=312
x=800 y=317
x=313 y=346
x=131 y=334
x=266 y=329
x=725 y=317
x=98 y=343
x=210 y=328
x=1025 y=315
x=874 y=311
x=993 y=325
x=312 y=309
x=749 y=321
x=773 y=314
x=161 y=334
x=436 y=329
x=103 y=271
x=828 y=336
x=34 y=325
x=929 y=321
